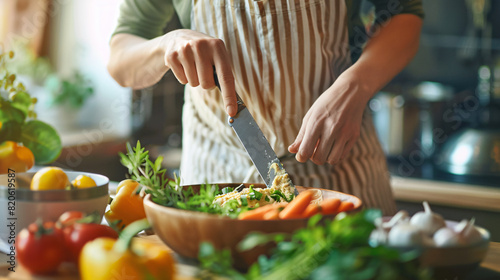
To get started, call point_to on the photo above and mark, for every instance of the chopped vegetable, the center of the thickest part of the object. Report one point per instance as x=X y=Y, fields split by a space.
x=345 y=206
x=297 y=206
x=330 y=206
x=227 y=190
x=253 y=194
x=311 y=210
x=258 y=213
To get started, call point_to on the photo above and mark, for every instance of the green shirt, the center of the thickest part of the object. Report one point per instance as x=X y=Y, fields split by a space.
x=148 y=18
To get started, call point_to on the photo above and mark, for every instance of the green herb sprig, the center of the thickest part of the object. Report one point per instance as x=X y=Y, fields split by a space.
x=333 y=250
x=168 y=192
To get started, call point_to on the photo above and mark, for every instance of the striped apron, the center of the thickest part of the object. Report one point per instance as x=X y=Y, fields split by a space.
x=284 y=53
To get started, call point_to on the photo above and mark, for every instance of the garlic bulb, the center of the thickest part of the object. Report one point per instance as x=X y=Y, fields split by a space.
x=468 y=231
x=447 y=237
x=405 y=235
x=378 y=235
x=401 y=216
x=427 y=221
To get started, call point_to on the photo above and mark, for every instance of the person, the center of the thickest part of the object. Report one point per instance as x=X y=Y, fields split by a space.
x=306 y=70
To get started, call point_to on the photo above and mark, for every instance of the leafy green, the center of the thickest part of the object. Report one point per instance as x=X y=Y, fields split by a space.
x=334 y=250
x=167 y=192
x=42 y=139
x=227 y=190
x=253 y=194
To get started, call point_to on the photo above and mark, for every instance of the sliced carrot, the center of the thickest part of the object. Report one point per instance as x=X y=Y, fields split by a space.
x=296 y=208
x=272 y=214
x=345 y=206
x=330 y=206
x=258 y=213
x=311 y=210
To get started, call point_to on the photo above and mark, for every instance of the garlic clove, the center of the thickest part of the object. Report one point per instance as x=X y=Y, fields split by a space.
x=447 y=237
x=379 y=234
x=401 y=216
x=405 y=235
x=427 y=221
x=468 y=232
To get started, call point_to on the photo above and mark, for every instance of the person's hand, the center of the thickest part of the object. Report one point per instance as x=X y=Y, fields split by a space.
x=332 y=125
x=191 y=56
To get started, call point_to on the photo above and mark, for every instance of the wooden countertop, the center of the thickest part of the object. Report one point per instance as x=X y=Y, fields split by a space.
x=491 y=264
x=446 y=193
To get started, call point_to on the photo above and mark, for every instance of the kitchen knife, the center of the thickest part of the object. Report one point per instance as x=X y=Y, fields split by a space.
x=254 y=141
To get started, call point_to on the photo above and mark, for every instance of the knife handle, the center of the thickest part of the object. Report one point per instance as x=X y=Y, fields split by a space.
x=241 y=104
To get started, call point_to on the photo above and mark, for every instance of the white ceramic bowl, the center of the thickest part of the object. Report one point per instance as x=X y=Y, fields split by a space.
x=21 y=206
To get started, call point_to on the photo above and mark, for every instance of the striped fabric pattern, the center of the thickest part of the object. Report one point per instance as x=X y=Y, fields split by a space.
x=285 y=53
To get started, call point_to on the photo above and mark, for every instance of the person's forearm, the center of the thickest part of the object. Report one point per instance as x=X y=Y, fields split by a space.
x=136 y=62
x=386 y=54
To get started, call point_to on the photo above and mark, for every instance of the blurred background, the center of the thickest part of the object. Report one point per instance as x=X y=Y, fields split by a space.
x=438 y=121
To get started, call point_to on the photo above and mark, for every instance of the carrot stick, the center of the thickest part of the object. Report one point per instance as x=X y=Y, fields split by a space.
x=330 y=206
x=345 y=206
x=311 y=210
x=296 y=208
x=272 y=215
x=258 y=213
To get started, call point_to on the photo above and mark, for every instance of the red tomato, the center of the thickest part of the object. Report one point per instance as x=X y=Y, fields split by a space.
x=68 y=218
x=77 y=235
x=39 y=248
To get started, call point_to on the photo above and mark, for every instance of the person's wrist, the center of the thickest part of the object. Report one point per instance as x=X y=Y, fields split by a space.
x=356 y=83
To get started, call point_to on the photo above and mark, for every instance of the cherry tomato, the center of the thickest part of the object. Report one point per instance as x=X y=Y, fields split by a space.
x=68 y=218
x=77 y=235
x=16 y=157
x=39 y=248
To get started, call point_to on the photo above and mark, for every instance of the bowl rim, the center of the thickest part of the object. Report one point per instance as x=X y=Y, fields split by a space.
x=27 y=195
x=149 y=202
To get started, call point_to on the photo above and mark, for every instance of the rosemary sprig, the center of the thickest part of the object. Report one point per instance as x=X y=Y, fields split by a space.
x=168 y=192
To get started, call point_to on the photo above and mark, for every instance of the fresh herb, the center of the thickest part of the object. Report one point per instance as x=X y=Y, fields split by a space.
x=227 y=190
x=333 y=250
x=168 y=192
x=277 y=195
x=244 y=200
x=254 y=195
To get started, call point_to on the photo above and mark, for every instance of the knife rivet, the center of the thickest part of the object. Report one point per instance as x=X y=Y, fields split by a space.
x=231 y=120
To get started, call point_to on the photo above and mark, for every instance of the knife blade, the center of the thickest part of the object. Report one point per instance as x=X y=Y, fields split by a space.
x=255 y=143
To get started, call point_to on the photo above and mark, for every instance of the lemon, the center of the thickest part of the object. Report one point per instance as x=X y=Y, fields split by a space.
x=49 y=178
x=82 y=181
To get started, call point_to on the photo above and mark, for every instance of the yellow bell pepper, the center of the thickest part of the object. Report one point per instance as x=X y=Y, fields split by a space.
x=105 y=258
x=127 y=205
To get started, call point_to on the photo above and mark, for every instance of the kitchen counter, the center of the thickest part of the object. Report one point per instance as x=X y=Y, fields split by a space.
x=489 y=269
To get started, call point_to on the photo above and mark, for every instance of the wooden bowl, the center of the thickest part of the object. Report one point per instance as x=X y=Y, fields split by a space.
x=183 y=230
